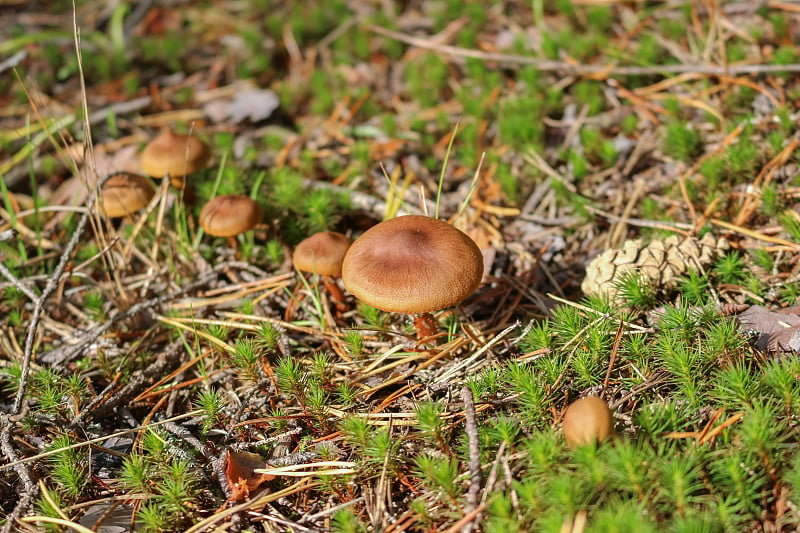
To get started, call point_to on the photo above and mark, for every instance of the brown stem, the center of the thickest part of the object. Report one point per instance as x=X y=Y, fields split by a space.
x=425 y=325
x=337 y=296
x=235 y=245
x=185 y=191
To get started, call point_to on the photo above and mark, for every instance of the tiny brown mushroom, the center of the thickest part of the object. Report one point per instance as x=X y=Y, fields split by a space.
x=413 y=264
x=174 y=155
x=124 y=194
x=230 y=215
x=587 y=421
x=323 y=254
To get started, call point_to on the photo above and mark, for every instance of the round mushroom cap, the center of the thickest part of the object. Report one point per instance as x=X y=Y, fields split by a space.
x=174 y=154
x=125 y=194
x=229 y=215
x=412 y=264
x=322 y=253
x=587 y=421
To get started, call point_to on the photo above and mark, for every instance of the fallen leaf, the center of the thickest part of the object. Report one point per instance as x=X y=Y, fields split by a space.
x=776 y=331
x=250 y=104
x=241 y=476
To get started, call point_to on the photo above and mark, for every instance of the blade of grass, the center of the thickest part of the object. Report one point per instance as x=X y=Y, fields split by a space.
x=217 y=180
x=444 y=167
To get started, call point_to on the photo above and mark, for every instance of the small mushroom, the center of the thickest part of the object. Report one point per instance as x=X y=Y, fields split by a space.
x=587 y=421
x=230 y=215
x=174 y=155
x=413 y=264
x=124 y=194
x=323 y=254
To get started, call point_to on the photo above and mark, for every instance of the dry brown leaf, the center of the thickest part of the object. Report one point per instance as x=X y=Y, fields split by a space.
x=777 y=331
x=240 y=472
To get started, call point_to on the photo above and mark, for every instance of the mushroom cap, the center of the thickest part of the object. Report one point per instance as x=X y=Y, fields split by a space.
x=587 y=421
x=412 y=264
x=322 y=253
x=124 y=194
x=229 y=215
x=174 y=154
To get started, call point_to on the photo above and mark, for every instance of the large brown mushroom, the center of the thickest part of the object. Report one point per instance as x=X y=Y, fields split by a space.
x=413 y=264
x=174 y=155
x=323 y=254
x=587 y=421
x=124 y=194
x=230 y=215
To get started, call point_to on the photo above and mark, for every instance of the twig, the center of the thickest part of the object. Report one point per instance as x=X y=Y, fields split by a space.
x=471 y=429
x=23 y=504
x=678 y=227
x=608 y=70
x=52 y=285
x=327 y=512
x=450 y=373
x=614 y=352
x=14 y=280
x=466 y=519
x=30 y=488
x=754 y=234
x=105 y=402
x=55 y=279
x=66 y=353
x=54 y=451
x=186 y=435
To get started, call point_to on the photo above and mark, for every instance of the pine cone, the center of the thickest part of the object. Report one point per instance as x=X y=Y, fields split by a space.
x=658 y=262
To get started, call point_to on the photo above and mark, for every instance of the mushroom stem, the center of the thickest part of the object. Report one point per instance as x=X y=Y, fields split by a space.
x=233 y=244
x=336 y=293
x=184 y=191
x=425 y=325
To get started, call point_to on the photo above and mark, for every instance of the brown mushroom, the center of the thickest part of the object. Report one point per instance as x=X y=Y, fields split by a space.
x=413 y=264
x=323 y=254
x=124 y=194
x=174 y=155
x=587 y=421
x=230 y=215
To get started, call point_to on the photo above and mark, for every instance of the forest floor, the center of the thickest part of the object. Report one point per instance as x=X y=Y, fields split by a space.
x=629 y=171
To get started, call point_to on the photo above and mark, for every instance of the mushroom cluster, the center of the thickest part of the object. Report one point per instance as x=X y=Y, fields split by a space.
x=415 y=265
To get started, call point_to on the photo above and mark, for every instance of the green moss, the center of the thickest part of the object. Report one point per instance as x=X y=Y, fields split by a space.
x=682 y=142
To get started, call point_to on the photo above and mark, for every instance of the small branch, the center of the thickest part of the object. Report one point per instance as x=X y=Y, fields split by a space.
x=66 y=353
x=11 y=454
x=471 y=428
x=607 y=70
x=30 y=488
x=106 y=402
x=16 y=282
x=52 y=285
x=24 y=503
